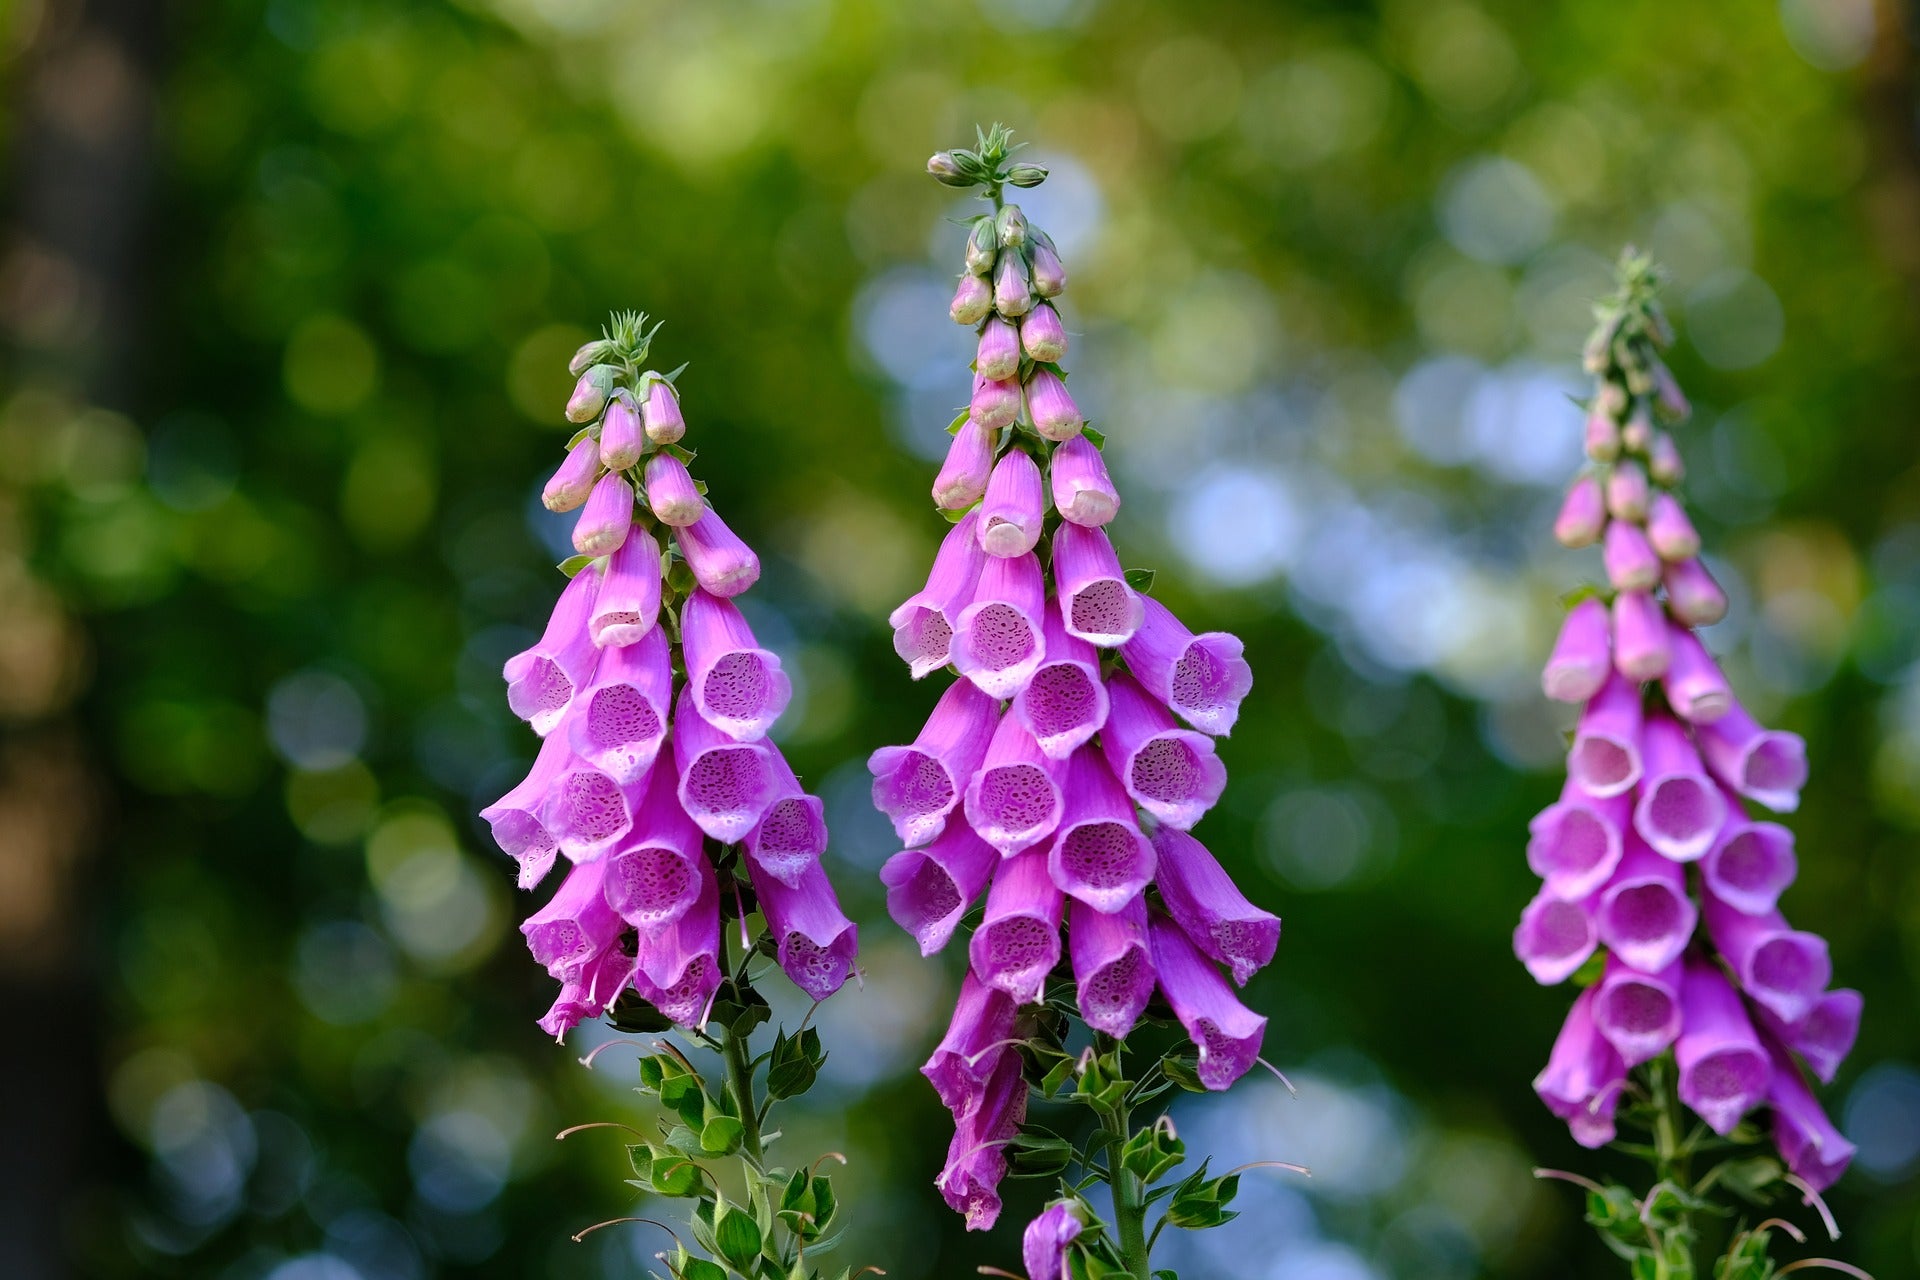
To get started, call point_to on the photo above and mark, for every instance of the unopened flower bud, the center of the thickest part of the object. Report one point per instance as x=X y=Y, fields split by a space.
x=604 y=521
x=963 y=477
x=1627 y=491
x=1603 y=437
x=1630 y=562
x=995 y=404
x=1049 y=274
x=1027 y=175
x=661 y=413
x=671 y=494
x=1642 y=645
x=998 y=356
x=1011 y=225
x=1582 y=516
x=1010 y=292
x=1668 y=399
x=573 y=481
x=1042 y=334
x=1612 y=399
x=590 y=393
x=588 y=355
x=945 y=168
x=983 y=246
x=620 y=442
x=971 y=300
x=1663 y=460
x=1637 y=434
x=1051 y=407
x=1083 y=492
x=1669 y=530
x=1695 y=598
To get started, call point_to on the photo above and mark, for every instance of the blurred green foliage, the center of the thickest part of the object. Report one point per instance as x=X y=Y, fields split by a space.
x=376 y=232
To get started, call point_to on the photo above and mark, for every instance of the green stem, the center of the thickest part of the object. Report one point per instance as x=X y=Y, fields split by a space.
x=1129 y=1198
x=740 y=1081
x=1670 y=1159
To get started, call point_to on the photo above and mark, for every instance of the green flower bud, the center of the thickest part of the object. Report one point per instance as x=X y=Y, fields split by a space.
x=983 y=244
x=1027 y=175
x=1011 y=225
x=588 y=355
x=948 y=170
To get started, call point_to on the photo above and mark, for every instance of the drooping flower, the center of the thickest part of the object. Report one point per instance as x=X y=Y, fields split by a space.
x=638 y=913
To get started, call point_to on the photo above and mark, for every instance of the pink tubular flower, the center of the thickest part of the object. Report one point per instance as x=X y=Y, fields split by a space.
x=1201 y=678
x=1605 y=759
x=972 y=300
x=1051 y=408
x=1750 y=864
x=1680 y=811
x=587 y=993
x=792 y=834
x=653 y=876
x=1640 y=638
x=620 y=720
x=1723 y=1068
x=1783 y=970
x=1065 y=703
x=1011 y=515
x=1582 y=515
x=1630 y=562
x=1226 y=1032
x=660 y=413
x=1576 y=842
x=1766 y=765
x=1669 y=530
x=1825 y=1036
x=1043 y=336
x=998 y=357
x=976 y=1041
x=1626 y=491
x=923 y=624
x=997 y=639
x=672 y=495
x=587 y=811
x=995 y=404
x=725 y=785
x=542 y=681
x=1644 y=915
x=1082 y=489
x=515 y=817
x=1210 y=909
x=1695 y=687
x=917 y=786
x=976 y=1158
x=1011 y=295
x=1582 y=657
x=1099 y=856
x=1170 y=772
x=1554 y=937
x=1695 y=598
x=575 y=926
x=1018 y=941
x=1638 y=1013
x=1014 y=798
x=678 y=966
x=628 y=603
x=720 y=561
x=1814 y=1150
x=1603 y=436
x=1049 y=276
x=1044 y=1245
x=738 y=686
x=1096 y=604
x=573 y=481
x=815 y=940
x=620 y=438
x=605 y=518
x=930 y=888
x=1583 y=1077
x=963 y=477
x=1112 y=968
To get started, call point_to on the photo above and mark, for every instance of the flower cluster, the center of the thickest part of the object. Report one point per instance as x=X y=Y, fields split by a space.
x=648 y=792
x=1652 y=835
x=1061 y=773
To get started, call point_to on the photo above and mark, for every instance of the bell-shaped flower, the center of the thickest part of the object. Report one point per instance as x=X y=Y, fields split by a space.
x=660 y=413
x=1695 y=598
x=1112 y=965
x=1583 y=515
x=962 y=480
x=1099 y=856
x=1582 y=657
x=575 y=925
x=1605 y=758
x=917 y=786
x=725 y=784
x=1096 y=602
x=930 y=888
x=679 y=966
x=621 y=441
x=1202 y=678
x=1575 y=843
x=542 y=680
x=1555 y=936
x=1782 y=969
x=1680 y=811
x=587 y=811
x=814 y=941
x=976 y=1158
x=720 y=561
x=653 y=875
x=923 y=624
x=1051 y=407
x=605 y=518
x=1583 y=1077
x=1638 y=1013
x=1065 y=703
x=574 y=479
x=1645 y=915
x=977 y=1038
x=792 y=834
x=1204 y=901
x=1724 y=1070
x=1226 y=1033
x=1642 y=643
x=1012 y=515
x=620 y=721
x=1170 y=772
x=998 y=356
x=1018 y=940
x=1766 y=765
x=515 y=817
x=672 y=495
x=1014 y=799
x=1814 y=1150
x=1750 y=863
x=997 y=639
x=738 y=686
x=1082 y=490
x=1695 y=687
x=628 y=604
x=1042 y=335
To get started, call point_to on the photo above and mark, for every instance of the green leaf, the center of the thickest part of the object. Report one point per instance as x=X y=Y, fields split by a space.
x=1098 y=438
x=736 y=1236
x=1184 y=1071
x=1591 y=971
x=701 y=1269
x=572 y=565
x=721 y=1136
x=1140 y=580
x=675 y=1175
x=960 y=420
